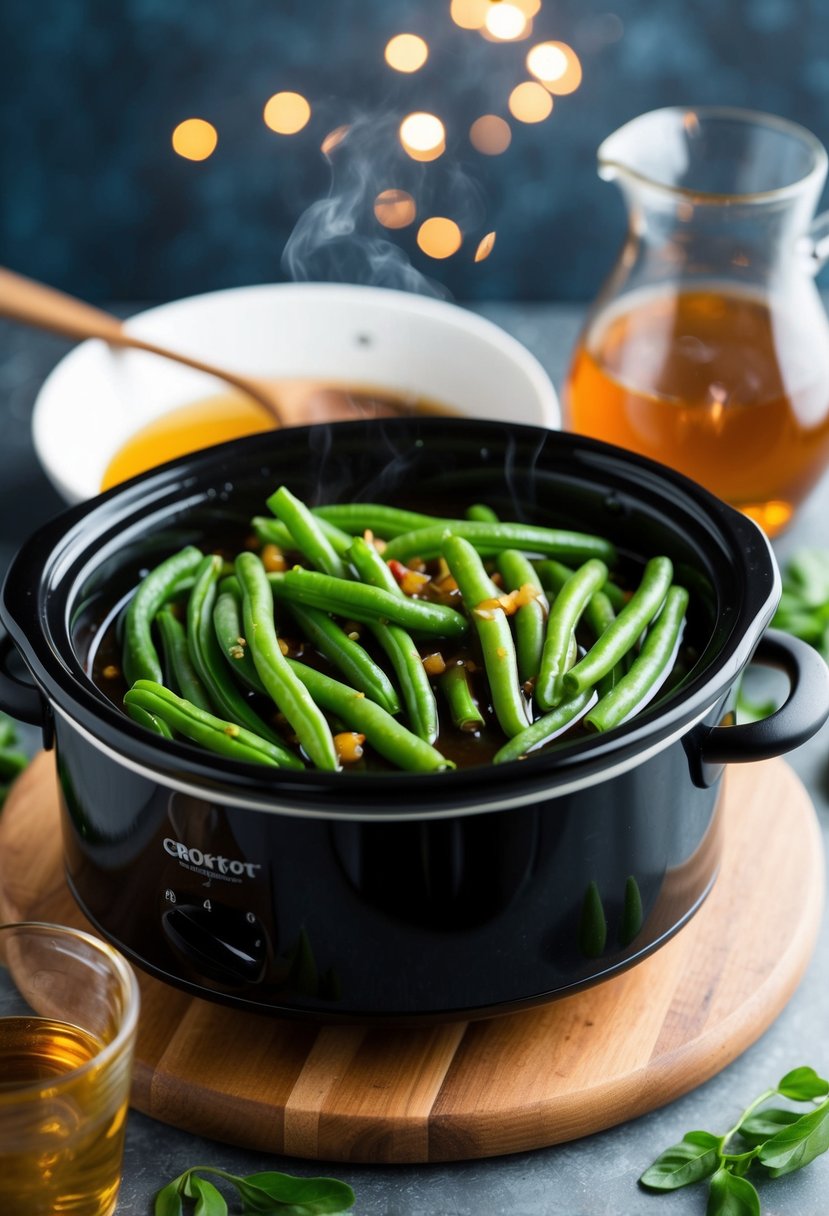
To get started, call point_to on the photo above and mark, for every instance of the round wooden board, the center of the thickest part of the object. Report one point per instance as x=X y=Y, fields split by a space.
x=463 y=1090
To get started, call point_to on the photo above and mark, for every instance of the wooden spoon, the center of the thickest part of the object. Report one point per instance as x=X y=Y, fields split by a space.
x=287 y=402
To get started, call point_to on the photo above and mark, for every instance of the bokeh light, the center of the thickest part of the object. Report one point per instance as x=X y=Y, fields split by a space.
x=286 y=113
x=334 y=138
x=395 y=208
x=439 y=237
x=485 y=246
x=505 y=21
x=490 y=134
x=406 y=53
x=530 y=102
x=556 y=65
x=469 y=14
x=423 y=136
x=195 y=139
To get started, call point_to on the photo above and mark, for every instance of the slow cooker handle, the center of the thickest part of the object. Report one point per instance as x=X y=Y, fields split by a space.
x=800 y=716
x=20 y=698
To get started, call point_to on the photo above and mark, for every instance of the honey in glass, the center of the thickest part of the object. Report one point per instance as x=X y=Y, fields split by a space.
x=708 y=347
x=716 y=383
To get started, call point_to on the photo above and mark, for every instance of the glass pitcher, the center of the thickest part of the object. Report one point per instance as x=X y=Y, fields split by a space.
x=708 y=347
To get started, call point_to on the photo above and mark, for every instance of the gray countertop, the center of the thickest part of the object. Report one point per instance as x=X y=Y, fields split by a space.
x=595 y=1176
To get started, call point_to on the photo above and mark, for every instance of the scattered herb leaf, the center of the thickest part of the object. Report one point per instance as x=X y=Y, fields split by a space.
x=729 y=1195
x=694 y=1158
x=780 y=1141
x=266 y=1194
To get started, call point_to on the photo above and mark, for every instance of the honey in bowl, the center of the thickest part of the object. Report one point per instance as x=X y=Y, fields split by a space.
x=719 y=384
x=231 y=416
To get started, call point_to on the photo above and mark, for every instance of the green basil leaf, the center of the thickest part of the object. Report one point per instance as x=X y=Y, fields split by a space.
x=766 y=1123
x=168 y=1200
x=798 y=1144
x=731 y=1196
x=272 y=1192
x=209 y=1201
x=803 y=1084
x=695 y=1157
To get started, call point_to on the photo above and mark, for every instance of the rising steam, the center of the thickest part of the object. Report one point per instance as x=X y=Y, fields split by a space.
x=336 y=238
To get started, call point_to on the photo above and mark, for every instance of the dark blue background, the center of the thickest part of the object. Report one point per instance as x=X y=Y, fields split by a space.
x=93 y=199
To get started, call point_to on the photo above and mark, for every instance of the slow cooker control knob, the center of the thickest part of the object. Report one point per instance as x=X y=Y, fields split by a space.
x=222 y=944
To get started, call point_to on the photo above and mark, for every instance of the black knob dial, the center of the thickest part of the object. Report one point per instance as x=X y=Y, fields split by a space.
x=222 y=944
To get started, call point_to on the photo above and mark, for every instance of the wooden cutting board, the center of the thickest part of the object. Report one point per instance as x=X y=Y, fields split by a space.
x=463 y=1090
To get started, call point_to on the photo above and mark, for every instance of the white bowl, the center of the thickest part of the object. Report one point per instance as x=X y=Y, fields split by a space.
x=97 y=396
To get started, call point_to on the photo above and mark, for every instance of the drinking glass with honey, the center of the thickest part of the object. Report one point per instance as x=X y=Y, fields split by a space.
x=708 y=347
x=68 y=1015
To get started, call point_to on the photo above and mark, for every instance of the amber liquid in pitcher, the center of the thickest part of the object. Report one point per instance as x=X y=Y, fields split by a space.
x=73 y=1165
x=714 y=383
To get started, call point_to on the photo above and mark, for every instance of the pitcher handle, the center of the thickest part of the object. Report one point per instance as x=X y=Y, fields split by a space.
x=813 y=246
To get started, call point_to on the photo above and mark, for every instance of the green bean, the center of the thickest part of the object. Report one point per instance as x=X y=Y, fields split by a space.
x=622 y=634
x=554 y=575
x=140 y=658
x=207 y=656
x=565 y=611
x=481 y=512
x=309 y=536
x=227 y=623
x=490 y=538
x=275 y=532
x=347 y=655
x=374 y=517
x=287 y=691
x=493 y=631
x=544 y=729
x=371 y=567
x=359 y=602
x=454 y=684
x=415 y=688
x=649 y=669
x=181 y=674
x=148 y=720
x=531 y=618
x=386 y=735
x=226 y=738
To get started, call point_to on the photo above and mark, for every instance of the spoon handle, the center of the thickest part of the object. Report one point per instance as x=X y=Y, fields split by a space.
x=32 y=303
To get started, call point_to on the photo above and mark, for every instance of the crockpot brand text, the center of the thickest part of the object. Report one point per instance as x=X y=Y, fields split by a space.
x=210 y=861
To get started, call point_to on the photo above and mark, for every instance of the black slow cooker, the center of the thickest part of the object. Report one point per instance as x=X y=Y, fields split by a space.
x=384 y=896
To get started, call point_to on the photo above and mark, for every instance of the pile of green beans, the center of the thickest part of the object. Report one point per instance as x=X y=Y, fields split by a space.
x=421 y=637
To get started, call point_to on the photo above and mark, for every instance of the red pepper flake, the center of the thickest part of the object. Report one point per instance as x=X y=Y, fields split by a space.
x=410 y=581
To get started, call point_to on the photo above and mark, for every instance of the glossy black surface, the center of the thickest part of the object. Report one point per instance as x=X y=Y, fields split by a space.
x=365 y=919
x=392 y=895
